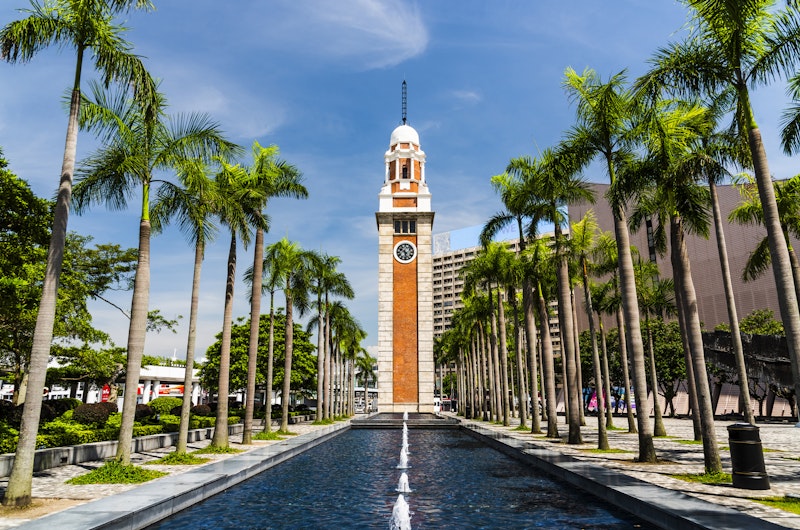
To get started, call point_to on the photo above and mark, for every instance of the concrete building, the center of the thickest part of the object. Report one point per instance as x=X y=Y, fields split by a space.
x=706 y=272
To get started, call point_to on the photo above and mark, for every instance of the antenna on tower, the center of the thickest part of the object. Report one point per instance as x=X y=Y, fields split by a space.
x=405 y=98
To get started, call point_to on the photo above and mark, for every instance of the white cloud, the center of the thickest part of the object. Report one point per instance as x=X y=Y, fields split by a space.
x=469 y=97
x=368 y=33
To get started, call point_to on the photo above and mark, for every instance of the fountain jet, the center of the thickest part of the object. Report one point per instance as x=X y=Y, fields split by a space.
x=402 y=484
x=401 y=515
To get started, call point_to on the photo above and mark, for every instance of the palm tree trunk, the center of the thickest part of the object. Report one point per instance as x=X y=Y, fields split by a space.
x=782 y=270
x=287 y=366
x=630 y=307
x=186 y=404
x=270 y=361
x=321 y=360
x=691 y=387
x=220 y=437
x=328 y=410
x=255 y=321
x=548 y=368
x=530 y=339
x=606 y=374
x=626 y=378
x=683 y=280
x=578 y=364
x=18 y=492
x=503 y=352
x=521 y=386
x=733 y=318
x=568 y=342
x=658 y=420
x=136 y=336
x=602 y=435
x=496 y=386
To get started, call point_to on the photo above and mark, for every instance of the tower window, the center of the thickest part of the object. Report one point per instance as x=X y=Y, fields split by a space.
x=405 y=227
x=405 y=172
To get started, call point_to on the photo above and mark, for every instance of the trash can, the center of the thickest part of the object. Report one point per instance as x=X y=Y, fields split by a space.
x=747 y=457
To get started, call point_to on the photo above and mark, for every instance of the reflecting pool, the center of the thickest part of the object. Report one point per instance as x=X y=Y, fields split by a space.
x=351 y=482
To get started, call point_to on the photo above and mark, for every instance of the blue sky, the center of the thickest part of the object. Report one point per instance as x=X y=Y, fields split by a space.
x=321 y=79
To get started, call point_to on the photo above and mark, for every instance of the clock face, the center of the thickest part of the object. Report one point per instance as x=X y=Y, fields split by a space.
x=405 y=251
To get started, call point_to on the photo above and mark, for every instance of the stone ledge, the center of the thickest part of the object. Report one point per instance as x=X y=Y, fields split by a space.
x=76 y=454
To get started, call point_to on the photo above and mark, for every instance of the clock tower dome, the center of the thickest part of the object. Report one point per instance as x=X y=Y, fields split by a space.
x=405 y=278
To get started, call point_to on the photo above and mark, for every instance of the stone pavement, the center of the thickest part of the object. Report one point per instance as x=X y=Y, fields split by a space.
x=781 y=443
x=52 y=494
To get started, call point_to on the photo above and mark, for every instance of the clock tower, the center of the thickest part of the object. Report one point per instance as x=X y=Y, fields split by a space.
x=405 y=278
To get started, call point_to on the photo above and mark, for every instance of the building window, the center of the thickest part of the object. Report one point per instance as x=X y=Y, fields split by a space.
x=405 y=172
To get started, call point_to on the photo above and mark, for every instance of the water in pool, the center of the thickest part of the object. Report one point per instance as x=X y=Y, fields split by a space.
x=352 y=482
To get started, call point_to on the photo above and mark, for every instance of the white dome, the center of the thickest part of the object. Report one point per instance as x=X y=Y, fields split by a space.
x=404 y=134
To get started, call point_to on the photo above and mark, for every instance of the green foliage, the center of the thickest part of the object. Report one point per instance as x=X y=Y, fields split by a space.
x=114 y=472
x=233 y=420
x=87 y=364
x=788 y=504
x=201 y=422
x=759 y=322
x=170 y=422
x=705 y=478
x=304 y=362
x=165 y=404
x=271 y=435
x=179 y=459
x=216 y=450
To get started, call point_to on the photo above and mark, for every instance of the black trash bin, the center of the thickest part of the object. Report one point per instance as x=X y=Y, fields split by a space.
x=747 y=457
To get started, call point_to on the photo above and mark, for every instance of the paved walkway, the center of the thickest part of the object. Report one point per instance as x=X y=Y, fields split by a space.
x=780 y=441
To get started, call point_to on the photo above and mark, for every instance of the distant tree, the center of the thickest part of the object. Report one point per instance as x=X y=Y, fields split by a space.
x=304 y=369
x=759 y=322
x=87 y=273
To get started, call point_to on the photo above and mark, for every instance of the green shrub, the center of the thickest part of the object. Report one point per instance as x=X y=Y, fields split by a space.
x=147 y=430
x=114 y=420
x=8 y=438
x=233 y=420
x=164 y=404
x=201 y=422
x=92 y=413
x=170 y=422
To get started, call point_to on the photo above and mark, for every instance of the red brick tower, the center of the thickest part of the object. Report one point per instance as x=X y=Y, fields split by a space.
x=405 y=279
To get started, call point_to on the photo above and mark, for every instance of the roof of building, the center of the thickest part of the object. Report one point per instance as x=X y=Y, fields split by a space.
x=404 y=134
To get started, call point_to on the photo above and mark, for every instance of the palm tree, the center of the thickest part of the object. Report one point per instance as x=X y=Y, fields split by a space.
x=84 y=26
x=675 y=127
x=523 y=210
x=582 y=235
x=269 y=177
x=271 y=283
x=737 y=45
x=539 y=265
x=293 y=265
x=138 y=141
x=365 y=365
x=558 y=185
x=607 y=262
x=192 y=205
x=605 y=128
x=326 y=281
